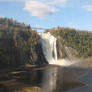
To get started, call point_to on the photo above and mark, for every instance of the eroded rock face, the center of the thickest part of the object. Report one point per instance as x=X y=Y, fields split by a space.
x=64 y=51
x=53 y=49
x=60 y=49
x=40 y=56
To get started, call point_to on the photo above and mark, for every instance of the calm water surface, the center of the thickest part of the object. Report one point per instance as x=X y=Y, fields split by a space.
x=48 y=79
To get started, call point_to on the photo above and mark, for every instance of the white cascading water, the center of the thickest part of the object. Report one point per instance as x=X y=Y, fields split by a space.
x=48 y=42
x=49 y=48
x=49 y=81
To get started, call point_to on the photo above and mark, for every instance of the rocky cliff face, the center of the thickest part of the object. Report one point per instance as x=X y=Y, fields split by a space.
x=40 y=60
x=54 y=50
x=74 y=42
x=19 y=45
x=64 y=51
x=60 y=49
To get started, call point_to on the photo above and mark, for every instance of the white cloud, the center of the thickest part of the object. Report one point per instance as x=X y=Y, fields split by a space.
x=43 y=9
x=88 y=7
x=40 y=9
x=58 y=2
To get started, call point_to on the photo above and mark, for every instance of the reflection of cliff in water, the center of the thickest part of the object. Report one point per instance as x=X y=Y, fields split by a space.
x=46 y=79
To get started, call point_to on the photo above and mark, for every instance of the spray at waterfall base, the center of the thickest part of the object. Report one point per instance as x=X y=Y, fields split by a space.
x=49 y=48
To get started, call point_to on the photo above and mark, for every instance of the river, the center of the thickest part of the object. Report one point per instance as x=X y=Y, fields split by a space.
x=49 y=78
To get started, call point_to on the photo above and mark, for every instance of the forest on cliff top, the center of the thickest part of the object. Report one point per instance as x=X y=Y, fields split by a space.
x=19 y=43
x=81 y=41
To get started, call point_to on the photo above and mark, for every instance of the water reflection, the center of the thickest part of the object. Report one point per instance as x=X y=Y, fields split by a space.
x=44 y=79
x=59 y=79
x=49 y=79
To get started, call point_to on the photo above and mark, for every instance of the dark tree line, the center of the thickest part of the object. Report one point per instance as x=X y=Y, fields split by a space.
x=79 y=40
x=18 y=43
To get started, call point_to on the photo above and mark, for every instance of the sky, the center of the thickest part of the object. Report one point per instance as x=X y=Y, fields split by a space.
x=49 y=13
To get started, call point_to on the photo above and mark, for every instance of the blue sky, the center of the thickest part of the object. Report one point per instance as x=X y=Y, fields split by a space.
x=49 y=13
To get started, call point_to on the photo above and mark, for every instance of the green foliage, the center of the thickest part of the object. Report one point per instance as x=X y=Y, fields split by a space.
x=79 y=40
x=17 y=42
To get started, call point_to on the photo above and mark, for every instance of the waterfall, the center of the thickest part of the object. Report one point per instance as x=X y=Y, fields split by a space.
x=48 y=42
x=50 y=76
x=49 y=48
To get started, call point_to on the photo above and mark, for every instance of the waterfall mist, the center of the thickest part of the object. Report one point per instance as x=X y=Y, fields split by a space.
x=49 y=80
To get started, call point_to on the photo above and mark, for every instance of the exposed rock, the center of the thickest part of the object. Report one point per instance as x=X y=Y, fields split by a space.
x=60 y=49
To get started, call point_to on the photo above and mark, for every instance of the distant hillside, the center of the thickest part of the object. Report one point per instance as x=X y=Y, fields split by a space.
x=18 y=44
x=81 y=41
